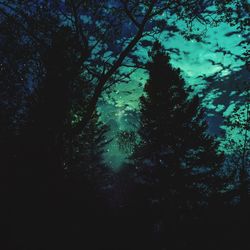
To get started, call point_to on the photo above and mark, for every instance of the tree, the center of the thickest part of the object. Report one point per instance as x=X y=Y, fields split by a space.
x=49 y=146
x=84 y=149
x=237 y=145
x=176 y=164
x=108 y=31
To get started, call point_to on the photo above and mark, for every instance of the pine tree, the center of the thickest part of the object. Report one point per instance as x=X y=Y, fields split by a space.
x=83 y=162
x=177 y=163
x=51 y=146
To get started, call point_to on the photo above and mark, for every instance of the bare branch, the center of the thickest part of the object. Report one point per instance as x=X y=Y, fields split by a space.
x=129 y=13
x=116 y=65
x=78 y=27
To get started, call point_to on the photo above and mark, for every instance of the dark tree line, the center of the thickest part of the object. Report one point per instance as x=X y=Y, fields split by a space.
x=60 y=192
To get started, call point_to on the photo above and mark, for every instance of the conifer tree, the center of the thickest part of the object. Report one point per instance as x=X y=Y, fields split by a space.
x=51 y=147
x=83 y=161
x=84 y=156
x=177 y=162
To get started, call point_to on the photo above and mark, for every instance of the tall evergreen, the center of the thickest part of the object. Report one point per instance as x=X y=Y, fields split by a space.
x=49 y=146
x=84 y=149
x=177 y=162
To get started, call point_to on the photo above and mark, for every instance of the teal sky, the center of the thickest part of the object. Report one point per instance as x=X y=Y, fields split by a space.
x=212 y=67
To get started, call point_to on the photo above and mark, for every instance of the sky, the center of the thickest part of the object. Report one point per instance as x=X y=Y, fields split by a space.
x=212 y=67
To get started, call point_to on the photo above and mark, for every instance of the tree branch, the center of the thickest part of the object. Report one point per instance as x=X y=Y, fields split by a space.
x=129 y=14
x=116 y=65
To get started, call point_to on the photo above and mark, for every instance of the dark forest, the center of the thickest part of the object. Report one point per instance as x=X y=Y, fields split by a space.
x=124 y=124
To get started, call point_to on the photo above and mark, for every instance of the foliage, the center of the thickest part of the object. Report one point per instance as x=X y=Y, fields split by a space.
x=237 y=144
x=126 y=141
x=177 y=160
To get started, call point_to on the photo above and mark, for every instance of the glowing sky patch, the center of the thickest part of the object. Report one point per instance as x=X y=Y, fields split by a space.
x=217 y=55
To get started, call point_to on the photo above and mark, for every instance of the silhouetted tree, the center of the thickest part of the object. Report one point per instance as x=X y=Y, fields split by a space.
x=176 y=164
x=13 y=73
x=237 y=145
x=84 y=149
